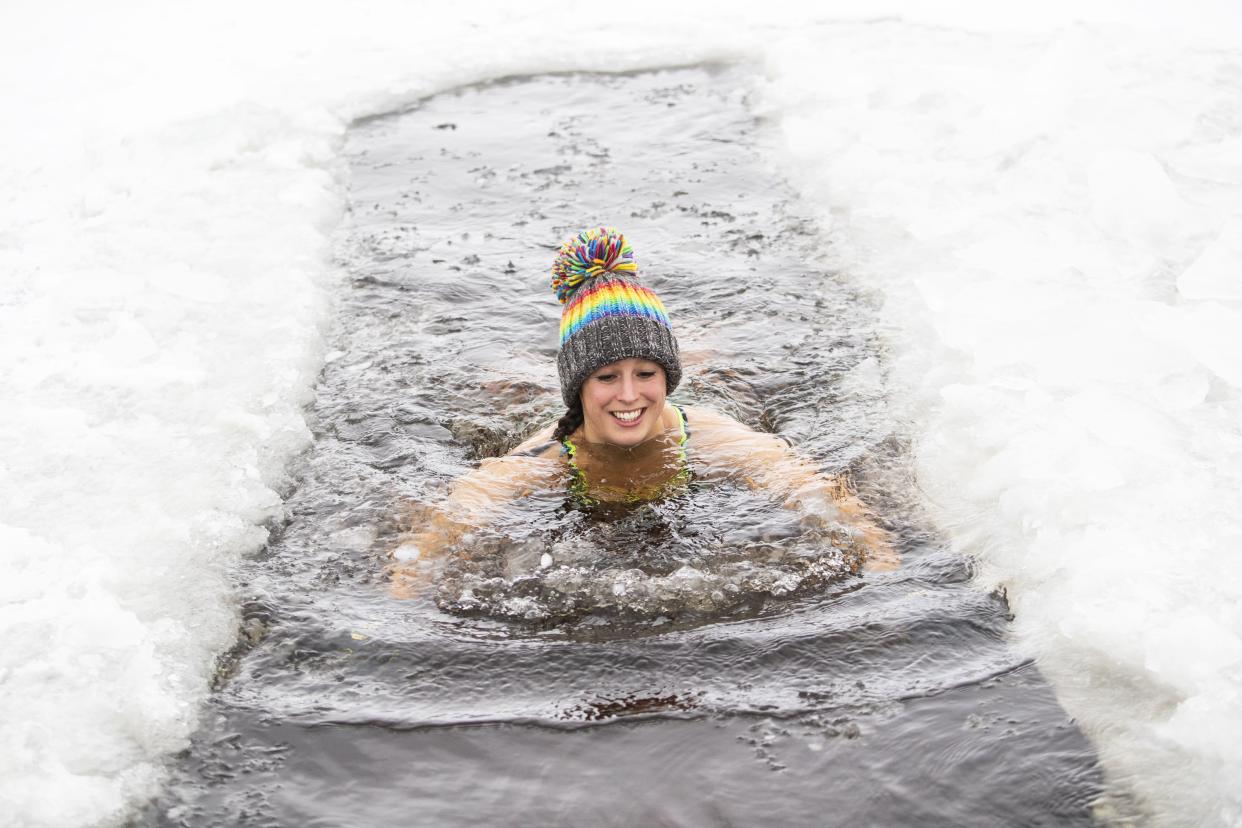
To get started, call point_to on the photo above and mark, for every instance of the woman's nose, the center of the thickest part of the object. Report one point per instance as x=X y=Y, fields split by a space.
x=629 y=388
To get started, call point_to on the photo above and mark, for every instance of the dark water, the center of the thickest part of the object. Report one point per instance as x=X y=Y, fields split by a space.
x=878 y=699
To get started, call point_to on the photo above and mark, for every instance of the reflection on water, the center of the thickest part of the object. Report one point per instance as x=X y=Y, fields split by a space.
x=704 y=660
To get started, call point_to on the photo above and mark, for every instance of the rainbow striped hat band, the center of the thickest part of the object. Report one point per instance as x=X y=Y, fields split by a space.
x=607 y=315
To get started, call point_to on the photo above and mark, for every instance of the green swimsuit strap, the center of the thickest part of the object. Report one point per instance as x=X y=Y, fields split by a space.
x=569 y=450
x=684 y=475
x=684 y=424
x=578 y=486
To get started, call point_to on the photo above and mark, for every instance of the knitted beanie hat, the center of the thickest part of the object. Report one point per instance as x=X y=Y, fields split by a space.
x=607 y=316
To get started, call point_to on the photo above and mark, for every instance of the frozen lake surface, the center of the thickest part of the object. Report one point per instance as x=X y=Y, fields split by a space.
x=884 y=698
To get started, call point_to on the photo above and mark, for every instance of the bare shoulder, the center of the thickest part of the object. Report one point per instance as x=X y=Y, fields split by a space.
x=509 y=476
x=709 y=425
x=540 y=439
x=699 y=416
x=720 y=437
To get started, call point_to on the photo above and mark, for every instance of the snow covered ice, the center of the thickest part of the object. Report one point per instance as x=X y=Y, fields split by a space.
x=1049 y=207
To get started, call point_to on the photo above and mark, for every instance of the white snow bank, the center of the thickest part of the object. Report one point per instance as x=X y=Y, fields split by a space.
x=1051 y=212
x=159 y=315
x=1053 y=222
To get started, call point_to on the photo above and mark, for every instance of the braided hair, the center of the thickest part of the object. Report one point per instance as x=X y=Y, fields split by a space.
x=569 y=423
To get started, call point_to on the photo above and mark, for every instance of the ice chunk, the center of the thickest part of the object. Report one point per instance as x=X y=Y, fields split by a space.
x=407 y=551
x=1132 y=197
x=1217 y=273
x=1192 y=649
x=1214 y=335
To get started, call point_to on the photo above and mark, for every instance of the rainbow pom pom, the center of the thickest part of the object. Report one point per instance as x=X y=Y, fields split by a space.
x=591 y=253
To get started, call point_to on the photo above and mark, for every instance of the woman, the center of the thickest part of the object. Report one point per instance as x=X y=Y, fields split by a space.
x=621 y=440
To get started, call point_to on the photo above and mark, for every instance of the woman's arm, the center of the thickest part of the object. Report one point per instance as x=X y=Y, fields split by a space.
x=764 y=461
x=474 y=501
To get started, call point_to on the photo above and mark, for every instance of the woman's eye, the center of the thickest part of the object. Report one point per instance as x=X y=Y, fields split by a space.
x=605 y=377
x=646 y=374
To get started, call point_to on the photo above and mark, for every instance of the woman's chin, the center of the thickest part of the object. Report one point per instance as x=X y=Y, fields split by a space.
x=627 y=436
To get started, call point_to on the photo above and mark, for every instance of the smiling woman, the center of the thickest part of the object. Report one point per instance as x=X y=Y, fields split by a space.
x=621 y=441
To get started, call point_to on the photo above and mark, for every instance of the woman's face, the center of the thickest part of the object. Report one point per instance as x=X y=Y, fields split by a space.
x=623 y=402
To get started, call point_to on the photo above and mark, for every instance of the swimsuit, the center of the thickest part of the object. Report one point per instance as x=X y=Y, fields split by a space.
x=581 y=490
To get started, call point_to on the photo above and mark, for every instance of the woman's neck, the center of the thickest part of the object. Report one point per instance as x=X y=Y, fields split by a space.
x=650 y=463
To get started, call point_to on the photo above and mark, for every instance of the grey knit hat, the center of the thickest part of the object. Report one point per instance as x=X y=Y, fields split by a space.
x=607 y=316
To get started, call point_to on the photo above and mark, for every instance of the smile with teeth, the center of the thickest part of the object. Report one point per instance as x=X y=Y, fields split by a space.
x=628 y=416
